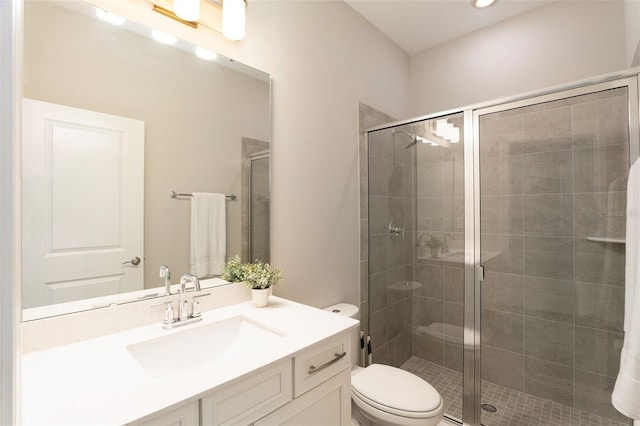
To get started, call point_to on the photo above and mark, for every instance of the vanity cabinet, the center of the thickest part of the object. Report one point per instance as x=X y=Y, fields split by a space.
x=328 y=404
x=312 y=388
x=299 y=375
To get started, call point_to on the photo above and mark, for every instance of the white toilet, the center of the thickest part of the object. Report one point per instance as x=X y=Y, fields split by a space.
x=388 y=396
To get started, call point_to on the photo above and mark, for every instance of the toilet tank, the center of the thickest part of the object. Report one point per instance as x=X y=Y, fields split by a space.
x=351 y=311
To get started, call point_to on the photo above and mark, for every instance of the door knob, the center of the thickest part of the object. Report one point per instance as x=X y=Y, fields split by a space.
x=135 y=261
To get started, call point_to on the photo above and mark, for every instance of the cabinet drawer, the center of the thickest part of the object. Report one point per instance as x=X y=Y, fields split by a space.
x=319 y=363
x=251 y=398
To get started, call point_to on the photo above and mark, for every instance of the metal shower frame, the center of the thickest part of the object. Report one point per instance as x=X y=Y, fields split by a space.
x=473 y=270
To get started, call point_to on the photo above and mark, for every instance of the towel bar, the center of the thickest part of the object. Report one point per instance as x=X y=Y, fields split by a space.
x=174 y=194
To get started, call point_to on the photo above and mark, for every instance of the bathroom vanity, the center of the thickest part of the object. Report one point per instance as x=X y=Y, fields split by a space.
x=284 y=364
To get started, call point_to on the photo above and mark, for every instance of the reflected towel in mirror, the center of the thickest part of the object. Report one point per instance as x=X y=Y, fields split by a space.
x=208 y=233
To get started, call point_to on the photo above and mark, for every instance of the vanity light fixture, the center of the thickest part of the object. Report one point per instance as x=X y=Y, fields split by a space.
x=163 y=38
x=189 y=10
x=445 y=130
x=233 y=19
x=109 y=17
x=227 y=17
x=481 y=4
x=205 y=54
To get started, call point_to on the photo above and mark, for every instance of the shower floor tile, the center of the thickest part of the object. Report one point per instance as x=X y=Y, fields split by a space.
x=514 y=408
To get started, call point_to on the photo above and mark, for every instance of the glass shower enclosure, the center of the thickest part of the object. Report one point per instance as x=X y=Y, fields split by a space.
x=496 y=253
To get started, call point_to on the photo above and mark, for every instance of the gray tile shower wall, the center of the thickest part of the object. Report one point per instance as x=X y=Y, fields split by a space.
x=553 y=176
x=439 y=294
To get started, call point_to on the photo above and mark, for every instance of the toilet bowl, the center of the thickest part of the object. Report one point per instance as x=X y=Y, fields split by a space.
x=388 y=396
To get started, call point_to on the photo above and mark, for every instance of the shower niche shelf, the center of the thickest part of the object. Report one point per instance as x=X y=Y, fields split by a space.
x=606 y=240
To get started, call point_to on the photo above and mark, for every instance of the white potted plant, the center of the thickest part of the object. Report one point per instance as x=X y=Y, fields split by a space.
x=258 y=276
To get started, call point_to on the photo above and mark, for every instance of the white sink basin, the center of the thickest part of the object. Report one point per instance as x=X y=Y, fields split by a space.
x=203 y=346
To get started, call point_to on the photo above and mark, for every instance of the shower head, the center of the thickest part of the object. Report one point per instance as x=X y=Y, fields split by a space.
x=414 y=138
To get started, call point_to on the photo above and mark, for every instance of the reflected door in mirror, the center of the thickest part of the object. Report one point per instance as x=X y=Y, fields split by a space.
x=82 y=205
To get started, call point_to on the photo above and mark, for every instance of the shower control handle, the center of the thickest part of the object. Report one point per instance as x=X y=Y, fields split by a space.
x=395 y=230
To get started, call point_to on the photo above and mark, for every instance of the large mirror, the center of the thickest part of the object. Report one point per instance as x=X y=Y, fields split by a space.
x=114 y=121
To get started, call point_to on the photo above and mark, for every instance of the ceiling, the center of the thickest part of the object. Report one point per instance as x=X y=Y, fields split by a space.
x=416 y=25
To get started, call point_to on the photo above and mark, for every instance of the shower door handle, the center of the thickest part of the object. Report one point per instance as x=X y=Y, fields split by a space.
x=480 y=272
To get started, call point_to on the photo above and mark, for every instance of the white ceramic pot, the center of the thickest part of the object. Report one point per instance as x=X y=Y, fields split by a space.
x=260 y=297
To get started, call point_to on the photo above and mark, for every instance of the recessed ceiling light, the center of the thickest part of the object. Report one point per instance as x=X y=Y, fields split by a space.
x=483 y=3
x=109 y=17
x=163 y=38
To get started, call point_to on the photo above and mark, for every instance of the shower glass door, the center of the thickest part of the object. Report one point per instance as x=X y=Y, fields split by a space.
x=552 y=178
x=416 y=277
x=259 y=207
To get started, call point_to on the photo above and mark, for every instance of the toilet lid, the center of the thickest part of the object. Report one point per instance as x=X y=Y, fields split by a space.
x=396 y=389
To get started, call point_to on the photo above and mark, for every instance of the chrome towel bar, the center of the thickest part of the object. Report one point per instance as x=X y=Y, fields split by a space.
x=174 y=194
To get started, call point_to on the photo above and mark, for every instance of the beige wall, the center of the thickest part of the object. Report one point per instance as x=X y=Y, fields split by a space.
x=195 y=115
x=559 y=43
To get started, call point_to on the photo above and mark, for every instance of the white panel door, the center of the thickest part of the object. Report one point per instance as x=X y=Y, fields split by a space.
x=83 y=203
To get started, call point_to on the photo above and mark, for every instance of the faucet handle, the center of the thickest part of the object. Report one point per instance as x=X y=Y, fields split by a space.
x=195 y=309
x=169 y=316
x=195 y=305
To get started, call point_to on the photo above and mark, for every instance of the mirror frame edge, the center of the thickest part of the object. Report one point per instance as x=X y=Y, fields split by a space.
x=11 y=69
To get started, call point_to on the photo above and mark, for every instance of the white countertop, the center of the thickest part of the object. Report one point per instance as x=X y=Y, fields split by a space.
x=98 y=382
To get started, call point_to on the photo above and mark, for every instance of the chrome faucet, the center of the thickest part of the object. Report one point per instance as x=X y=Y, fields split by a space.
x=445 y=247
x=165 y=273
x=184 y=316
x=184 y=306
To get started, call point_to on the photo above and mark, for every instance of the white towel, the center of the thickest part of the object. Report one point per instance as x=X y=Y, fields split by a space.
x=208 y=233
x=626 y=392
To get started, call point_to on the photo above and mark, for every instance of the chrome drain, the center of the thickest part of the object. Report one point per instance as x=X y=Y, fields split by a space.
x=489 y=408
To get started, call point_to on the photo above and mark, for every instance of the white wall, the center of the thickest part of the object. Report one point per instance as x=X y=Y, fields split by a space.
x=562 y=42
x=631 y=31
x=328 y=60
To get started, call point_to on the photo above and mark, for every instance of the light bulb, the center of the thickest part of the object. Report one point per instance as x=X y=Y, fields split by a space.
x=233 y=19
x=441 y=127
x=455 y=135
x=449 y=133
x=189 y=10
x=483 y=3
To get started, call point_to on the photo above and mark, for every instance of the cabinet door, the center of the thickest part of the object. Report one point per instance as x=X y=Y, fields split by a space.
x=186 y=415
x=250 y=398
x=327 y=404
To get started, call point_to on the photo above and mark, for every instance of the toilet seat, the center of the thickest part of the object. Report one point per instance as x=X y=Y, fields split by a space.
x=396 y=392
